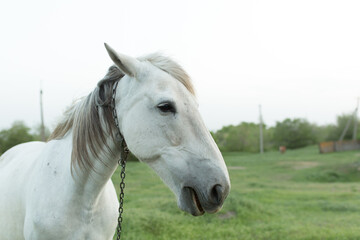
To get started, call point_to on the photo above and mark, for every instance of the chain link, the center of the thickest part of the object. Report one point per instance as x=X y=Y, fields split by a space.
x=122 y=163
x=124 y=152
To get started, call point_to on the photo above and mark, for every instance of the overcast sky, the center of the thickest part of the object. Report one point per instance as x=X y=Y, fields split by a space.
x=296 y=58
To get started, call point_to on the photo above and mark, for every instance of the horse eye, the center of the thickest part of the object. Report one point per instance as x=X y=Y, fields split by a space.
x=166 y=107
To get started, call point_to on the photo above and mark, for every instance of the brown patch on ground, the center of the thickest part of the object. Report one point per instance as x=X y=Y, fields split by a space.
x=236 y=168
x=227 y=215
x=299 y=165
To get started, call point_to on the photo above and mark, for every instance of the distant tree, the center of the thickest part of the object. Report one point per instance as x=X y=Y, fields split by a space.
x=269 y=138
x=1 y=145
x=221 y=136
x=243 y=137
x=16 y=134
x=37 y=133
x=294 y=133
x=341 y=121
x=324 y=133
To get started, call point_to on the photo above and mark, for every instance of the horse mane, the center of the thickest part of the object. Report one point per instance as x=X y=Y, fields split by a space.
x=87 y=125
x=90 y=126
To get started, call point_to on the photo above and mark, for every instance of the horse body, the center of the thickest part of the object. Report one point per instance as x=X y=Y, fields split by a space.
x=44 y=201
x=62 y=189
x=16 y=169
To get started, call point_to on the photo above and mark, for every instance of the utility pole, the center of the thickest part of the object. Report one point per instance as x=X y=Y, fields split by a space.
x=42 y=127
x=354 y=117
x=345 y=130
x=355 y=120
x=261 y=132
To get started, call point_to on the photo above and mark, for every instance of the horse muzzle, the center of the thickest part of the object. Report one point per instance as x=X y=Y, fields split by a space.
x=197 y=201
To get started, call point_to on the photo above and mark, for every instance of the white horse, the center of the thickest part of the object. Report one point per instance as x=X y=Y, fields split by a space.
x=62 y=189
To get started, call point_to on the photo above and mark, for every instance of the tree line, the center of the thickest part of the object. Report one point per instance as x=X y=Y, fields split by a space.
x=18 y=133
x=244 y=137
x=291 y=133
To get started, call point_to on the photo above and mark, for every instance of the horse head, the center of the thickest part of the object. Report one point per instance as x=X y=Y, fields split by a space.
x=160 y=121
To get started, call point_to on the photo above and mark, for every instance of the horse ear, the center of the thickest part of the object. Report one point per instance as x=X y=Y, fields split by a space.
x=126 y=64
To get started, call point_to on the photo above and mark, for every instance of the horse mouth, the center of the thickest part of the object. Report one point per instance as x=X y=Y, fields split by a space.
x=196 y=200
x=196 y=208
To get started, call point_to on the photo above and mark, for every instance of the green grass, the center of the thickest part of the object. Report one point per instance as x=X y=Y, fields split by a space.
x=297 y=195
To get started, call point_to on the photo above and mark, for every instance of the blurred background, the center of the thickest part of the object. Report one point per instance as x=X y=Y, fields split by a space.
x=296 y=59
x=269 y=76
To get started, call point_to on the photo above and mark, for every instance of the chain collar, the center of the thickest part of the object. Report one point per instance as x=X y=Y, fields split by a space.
x=124 y=152
x=118 y=136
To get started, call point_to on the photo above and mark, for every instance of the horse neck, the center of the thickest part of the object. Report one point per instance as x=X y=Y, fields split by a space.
x=89 y=182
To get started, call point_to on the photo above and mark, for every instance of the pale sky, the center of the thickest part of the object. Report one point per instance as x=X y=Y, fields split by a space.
x=296 y=58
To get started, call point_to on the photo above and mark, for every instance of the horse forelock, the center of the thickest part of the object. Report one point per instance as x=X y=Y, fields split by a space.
x=171 y=67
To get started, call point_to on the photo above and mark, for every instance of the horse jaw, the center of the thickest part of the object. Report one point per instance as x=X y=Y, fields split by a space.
x=199 y=184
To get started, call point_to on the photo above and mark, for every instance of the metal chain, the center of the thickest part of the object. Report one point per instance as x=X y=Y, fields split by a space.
x=124 y=152
x=122 y=163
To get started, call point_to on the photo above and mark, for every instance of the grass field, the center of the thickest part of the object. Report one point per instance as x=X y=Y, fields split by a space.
x=298 y=195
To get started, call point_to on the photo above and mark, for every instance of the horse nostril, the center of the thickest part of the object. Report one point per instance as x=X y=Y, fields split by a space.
x=217 y=193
